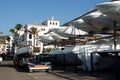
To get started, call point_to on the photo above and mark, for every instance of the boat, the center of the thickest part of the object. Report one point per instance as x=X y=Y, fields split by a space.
x=111 y=9
x=24 y=50
x=68 y=31
x=80 y=24
x=99 y=20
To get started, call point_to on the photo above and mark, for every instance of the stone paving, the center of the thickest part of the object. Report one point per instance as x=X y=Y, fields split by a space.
x=8 y=72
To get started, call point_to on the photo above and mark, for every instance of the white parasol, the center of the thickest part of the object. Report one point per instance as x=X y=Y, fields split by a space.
x=68 y=31
x=111 y=9
x=47 y=38
x=56 y=36
x=80 y=24
x=99 y=20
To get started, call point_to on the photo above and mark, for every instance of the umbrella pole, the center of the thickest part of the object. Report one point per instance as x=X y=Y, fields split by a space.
x=115 y=36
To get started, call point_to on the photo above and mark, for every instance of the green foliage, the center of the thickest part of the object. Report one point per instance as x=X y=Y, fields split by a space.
x=48 y=49
x=1 y=32
x=12 y=30
x=8 y=38
x=18 y=26
x=68 y=24
x=2 y=39
x=34 y=31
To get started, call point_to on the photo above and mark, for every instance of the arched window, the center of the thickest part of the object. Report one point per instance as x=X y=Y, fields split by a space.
x=50 y=23
x=44 y=29
x=30 y=36
x=41 y=29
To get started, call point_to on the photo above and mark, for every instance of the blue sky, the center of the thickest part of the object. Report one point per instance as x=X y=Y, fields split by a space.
x=24 y=12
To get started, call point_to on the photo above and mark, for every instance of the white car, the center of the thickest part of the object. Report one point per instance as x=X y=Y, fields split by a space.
x=37 y=66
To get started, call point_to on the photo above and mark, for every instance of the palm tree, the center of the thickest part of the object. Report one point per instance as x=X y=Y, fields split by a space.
x=8 y=38
x=12 y=31
x=13 y=42
x=34 y=31
x=1 y=32
x=18 y=27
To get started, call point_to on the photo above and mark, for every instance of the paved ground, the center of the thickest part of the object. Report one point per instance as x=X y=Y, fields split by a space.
x=8 y=72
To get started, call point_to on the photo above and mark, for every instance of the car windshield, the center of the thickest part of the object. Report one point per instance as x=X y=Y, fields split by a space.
x=35 y=62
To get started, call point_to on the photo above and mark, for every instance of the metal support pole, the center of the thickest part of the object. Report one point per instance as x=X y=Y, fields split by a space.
x=116 y=66
x=75 y=62
x=115 y=37
x=64 y=62
x=43 y=48
x=92 y=71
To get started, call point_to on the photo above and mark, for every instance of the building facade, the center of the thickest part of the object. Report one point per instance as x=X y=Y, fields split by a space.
x=24 y=37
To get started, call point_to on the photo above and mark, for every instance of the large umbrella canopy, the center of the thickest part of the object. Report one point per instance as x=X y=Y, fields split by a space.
x=80 y=24
x=111 y=9
x=68 y=31
x=99 y=20
x=51 y=37
x=56 y=36
x=47 y=38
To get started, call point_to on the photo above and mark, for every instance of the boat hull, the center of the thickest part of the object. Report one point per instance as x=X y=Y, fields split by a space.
x=24 y=51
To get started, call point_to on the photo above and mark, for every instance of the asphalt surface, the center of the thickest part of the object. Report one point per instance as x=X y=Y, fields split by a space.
x=9 y=72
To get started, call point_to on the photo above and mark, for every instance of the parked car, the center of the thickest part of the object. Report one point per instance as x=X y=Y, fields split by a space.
x=37 y=66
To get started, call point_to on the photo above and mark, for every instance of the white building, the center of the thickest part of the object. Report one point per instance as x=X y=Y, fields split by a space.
x=2 y=48
x=9 y=45
x=24 y=37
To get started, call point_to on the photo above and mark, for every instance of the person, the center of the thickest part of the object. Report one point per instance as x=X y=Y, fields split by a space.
x=1 y=59
x=16 y=62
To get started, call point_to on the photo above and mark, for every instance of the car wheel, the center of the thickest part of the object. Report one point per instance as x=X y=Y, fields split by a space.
x=30 y=70
x=48 y=70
